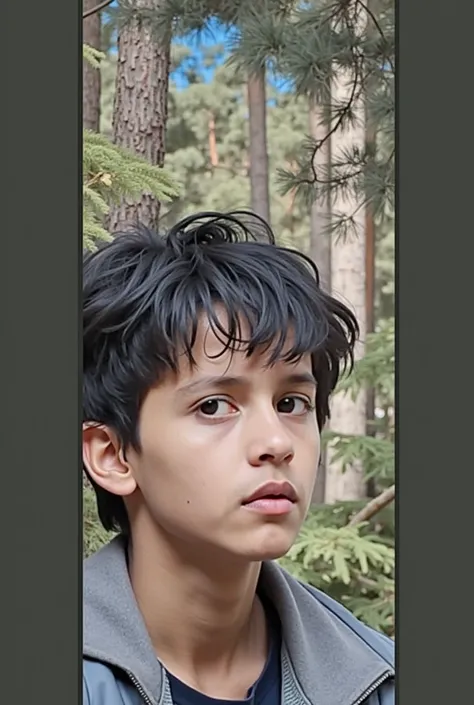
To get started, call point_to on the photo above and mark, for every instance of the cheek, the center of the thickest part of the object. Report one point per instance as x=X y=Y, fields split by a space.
x=182 y=497
x=181 y=475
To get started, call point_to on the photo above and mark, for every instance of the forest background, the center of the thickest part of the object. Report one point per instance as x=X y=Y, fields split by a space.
x=286 y=108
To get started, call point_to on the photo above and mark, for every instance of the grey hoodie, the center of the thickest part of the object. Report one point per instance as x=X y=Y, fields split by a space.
x=327 y=658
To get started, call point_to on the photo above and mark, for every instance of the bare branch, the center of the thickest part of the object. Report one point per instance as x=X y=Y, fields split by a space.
x=374 y=506
x=97 y=8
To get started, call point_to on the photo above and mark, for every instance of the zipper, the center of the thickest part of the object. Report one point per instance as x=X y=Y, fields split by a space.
x=141 y=692
x=364 y=696
x=367 y=693
x=373 y=687
x=146 y=699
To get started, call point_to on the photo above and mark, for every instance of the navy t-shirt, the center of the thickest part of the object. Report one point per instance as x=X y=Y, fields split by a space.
x=265 y=691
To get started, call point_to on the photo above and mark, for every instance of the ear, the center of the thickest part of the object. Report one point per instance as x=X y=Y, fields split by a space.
x=105 y=461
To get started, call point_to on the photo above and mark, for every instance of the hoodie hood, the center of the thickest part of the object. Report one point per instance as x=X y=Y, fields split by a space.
x=331 y=657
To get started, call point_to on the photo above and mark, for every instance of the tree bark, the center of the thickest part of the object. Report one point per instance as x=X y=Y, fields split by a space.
x=370 y=240
x=348 y=416
x=140 y=110
x=320 y=244
x=257 y=105
x=320 y=240
x=90 y=74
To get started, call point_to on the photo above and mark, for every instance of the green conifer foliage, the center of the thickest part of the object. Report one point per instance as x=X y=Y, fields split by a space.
x=111 y=173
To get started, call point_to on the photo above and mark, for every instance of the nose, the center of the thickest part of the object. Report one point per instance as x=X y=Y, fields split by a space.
x=269 y=441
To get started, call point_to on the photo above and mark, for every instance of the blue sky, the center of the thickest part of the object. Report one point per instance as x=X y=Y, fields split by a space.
x=215 y=35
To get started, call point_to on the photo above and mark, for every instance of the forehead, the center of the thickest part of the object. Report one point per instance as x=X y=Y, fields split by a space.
x=213 y=352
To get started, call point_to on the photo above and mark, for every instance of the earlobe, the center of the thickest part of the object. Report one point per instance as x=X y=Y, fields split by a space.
x=105 y=461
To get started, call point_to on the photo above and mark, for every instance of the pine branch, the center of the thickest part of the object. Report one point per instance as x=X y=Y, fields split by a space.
x=344 y=223
x=345 y=17
x=97 y=8
x=373 y=507
x=369 y=12
x=358 y=61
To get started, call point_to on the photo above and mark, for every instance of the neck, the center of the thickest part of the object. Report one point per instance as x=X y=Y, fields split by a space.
x=201 y=611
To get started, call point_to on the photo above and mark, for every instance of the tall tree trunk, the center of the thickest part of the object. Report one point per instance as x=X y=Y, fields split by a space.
x=320 y=241
x=370 y=239
x=140 y=109
x=257 y=105
x=348 y=282
x=91 y=75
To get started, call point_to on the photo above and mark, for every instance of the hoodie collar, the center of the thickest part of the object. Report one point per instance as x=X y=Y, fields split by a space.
x=327 y=654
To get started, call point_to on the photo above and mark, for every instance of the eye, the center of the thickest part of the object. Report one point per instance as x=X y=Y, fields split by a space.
x=216 y=408
x=296 y=406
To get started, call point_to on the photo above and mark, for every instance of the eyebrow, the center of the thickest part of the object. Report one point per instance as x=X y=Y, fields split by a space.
x=222 y=382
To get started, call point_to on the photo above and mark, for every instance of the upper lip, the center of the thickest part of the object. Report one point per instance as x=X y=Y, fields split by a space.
x=276 y=489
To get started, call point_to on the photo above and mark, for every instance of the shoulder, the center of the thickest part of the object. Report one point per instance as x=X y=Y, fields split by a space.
x=379 y=642
x=101 y=685
x=316 y=613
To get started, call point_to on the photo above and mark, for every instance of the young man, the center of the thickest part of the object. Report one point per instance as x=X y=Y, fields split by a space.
x=209 y=358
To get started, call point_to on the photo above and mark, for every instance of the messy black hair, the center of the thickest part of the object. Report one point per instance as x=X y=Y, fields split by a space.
x=143 y=294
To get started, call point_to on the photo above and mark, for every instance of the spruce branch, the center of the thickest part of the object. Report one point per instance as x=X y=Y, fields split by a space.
x=374 y=506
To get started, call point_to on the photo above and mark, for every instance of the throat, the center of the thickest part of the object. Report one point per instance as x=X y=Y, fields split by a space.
x=227 y=672
x=207 y=625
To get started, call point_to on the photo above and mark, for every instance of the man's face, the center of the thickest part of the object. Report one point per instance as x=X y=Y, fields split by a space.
x=214 y=434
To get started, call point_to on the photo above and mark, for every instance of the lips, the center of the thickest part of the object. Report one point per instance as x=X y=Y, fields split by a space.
x=273 y=490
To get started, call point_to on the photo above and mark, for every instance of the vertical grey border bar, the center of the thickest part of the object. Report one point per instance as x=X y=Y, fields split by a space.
x=434 y=369
x=40 y=280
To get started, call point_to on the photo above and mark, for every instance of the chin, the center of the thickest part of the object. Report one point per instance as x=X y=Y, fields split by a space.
x=274 y=545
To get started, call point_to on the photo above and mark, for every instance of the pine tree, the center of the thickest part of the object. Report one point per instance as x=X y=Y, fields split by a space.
x=141 y=103
x=320 y=248
x=320 y=242
x=226 y=184
x=197 y=16
x=313 y=46
x=348 y=281
x=90 y=76
x=259 y=178
x=111 y=173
